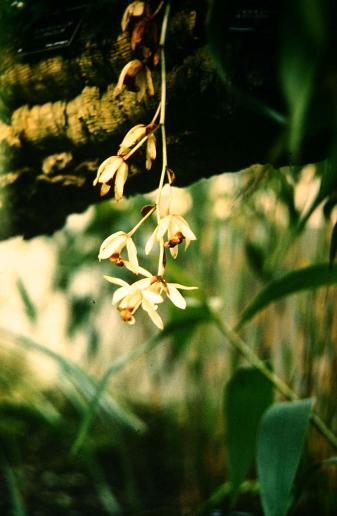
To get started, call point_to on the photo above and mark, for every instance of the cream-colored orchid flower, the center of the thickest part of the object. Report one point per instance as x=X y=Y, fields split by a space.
x=172 y=292
x=177 y=229
x=130 y=297
x=132 y=137
x=159 y=285
x=112 y=247
x=113 y=168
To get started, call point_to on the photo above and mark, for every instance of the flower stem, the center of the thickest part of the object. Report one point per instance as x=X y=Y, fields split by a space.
x=155 y=115
x=149 y=213
x=162 y=127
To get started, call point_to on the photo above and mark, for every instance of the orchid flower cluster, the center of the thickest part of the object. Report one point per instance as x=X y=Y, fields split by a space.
x=171 y=228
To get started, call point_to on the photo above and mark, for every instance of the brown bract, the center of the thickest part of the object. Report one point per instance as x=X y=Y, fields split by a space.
x=136 y=76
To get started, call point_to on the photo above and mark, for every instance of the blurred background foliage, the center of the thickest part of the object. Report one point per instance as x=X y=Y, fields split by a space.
x=97 y=415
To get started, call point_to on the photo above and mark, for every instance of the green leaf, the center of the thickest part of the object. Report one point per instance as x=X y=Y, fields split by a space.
x=247 y=395
x=279 y=448
x=190 y=317
x=330 y=462
x=15 y=496
x=333 y=245
x=312 y=277
x=28 y=303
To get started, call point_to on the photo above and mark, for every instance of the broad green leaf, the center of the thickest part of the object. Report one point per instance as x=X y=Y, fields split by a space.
x=312 y=277
x=279 y=447
x=247 y=395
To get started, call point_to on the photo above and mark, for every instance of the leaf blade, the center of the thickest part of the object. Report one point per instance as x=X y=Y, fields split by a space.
x=279 y=448
x=247 y=395
x=314 y=276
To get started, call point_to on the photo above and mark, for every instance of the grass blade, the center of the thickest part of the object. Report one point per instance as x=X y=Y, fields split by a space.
x=309 y=278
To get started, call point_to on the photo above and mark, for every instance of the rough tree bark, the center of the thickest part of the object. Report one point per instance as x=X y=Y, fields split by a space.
x=60 y=119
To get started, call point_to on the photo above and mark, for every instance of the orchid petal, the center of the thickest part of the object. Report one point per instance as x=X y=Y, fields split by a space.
x=152 y=297
x=174 y=295
x=144 y=272
x=112 y=244
x=163 y=226
x=121 y=177
x=181 y=287
x=141 y=284
x=154 y=316
x=132 y=252
x=121 y=293
x=105 y=189
x=185 y=228
x=150 y=242
x=116 y=281
x=174 y=251
x=108 y=168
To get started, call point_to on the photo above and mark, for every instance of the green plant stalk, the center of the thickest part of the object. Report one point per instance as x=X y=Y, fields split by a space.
x=278 y=383
x=162 y=128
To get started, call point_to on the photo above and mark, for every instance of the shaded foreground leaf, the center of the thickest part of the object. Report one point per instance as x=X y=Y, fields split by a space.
x=247 y=395
x=308 y=278
x=333 y=245
x=279 y=448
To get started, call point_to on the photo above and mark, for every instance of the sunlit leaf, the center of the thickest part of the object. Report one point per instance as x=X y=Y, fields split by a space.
x=279 y=448
x=309 y=278
x=247 y=395
x=83 y=383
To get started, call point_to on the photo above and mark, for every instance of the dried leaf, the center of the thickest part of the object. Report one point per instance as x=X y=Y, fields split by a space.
x=137 y=34
x=135 y=9
x=171 y=176
x=149 y=82
x=130 y=70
